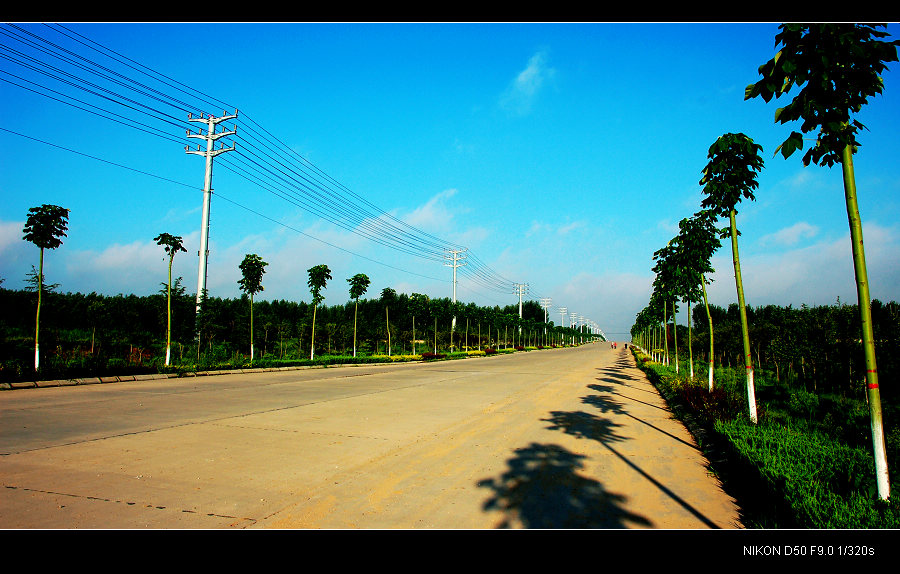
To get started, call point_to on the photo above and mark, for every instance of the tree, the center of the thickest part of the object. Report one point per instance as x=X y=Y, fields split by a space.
x=252 y=270
x=418 y=305
x=318 y=276
x=388 y=296
x=730 y=175
x=359 y=283
x=44 y=226
x=667 y=286
x=172 y=245
x=699 y=239
x=840 y=65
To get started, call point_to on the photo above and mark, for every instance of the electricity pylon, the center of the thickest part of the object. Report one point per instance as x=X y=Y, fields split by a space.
x=456 y=257
x=210 y=136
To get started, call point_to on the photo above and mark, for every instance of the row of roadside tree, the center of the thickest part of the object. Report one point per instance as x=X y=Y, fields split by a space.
x=836 y=68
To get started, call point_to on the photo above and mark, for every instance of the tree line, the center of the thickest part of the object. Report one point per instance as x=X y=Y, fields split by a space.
x=220 y=329
x=836 y=68
x=133 y=330
x=814 y=348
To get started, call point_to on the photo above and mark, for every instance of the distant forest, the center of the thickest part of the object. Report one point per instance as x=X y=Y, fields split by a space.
x=132 y=329
x=817 y=348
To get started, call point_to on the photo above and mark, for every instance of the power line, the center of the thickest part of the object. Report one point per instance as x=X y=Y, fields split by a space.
x=261 y=159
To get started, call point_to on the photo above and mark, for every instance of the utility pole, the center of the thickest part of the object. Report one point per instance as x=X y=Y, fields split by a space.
x=562 y=319
x=456 y=257
x=521 y=289
x=545 y=303
x=210 y=136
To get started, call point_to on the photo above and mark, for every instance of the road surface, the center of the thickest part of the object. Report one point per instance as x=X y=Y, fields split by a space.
x=561 y=438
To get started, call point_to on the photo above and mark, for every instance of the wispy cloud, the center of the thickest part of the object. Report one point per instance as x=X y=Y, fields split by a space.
x=434 y=214
x=539 y=227
x=816 y=274
x=790 y=235
x=524 y=89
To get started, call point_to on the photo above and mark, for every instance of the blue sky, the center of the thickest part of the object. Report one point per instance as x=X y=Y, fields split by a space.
x=560 y=155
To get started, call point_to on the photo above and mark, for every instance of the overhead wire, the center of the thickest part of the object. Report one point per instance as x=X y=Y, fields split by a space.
x=261 y=158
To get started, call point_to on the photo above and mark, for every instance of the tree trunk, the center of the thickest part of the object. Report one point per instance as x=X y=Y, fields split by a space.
x=873 y=394
x=666 y=332
x=748 y=358
x=387 y=325
x=168 y=314
x=675 y=334
x=355 y=309
x=251 y=328
x=37 y=317
x=312 y=340
x=690 y=348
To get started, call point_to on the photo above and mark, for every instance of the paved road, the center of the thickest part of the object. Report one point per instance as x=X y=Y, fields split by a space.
x=563 y=438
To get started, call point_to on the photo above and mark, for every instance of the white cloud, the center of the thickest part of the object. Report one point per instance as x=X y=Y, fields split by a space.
x=790 y=235
x=524 y=89
x=815 y=275
x=435 y=214
x=610 y=299
x=138 y=267
x=565 y=229
x=539 y=227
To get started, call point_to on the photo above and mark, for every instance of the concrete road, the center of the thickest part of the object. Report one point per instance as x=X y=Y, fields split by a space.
x=563 y=438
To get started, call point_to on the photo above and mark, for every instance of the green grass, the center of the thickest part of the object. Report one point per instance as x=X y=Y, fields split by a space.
x=806 y=464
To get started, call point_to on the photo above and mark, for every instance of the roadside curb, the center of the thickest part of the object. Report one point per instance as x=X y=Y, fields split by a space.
x=5 y=386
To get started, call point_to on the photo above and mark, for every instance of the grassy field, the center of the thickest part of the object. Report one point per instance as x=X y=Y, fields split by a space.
x=807 y=463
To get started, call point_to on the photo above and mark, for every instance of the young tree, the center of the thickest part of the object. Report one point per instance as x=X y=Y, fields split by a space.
x=172 y=245
x=840 y=65
x=252 y=270
x=44 y=226
x=734 y=161
x=388 y=297
x=418 y=305
x=699 y=240
x=318 y=276
x=668 y=286
x=359 y=283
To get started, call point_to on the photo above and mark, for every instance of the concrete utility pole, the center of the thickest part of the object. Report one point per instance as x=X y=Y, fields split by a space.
x=210 y=136
x=521 y=289
x=456 y=257
x=545 y=303
x=562 y=318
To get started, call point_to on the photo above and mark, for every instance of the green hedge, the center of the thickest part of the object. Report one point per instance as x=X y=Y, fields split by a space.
x=797 y=468
x=826 y=484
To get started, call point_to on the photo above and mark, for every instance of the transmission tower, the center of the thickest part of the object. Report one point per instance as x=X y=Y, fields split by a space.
x=455 y=257
x=210 y=136
x=520 y=290
x=562 y=318
x=545 y=304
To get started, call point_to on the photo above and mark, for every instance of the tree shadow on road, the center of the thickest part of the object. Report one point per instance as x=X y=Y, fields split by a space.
x=542 y=489
x=575 y=424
